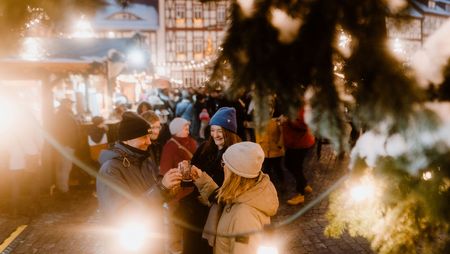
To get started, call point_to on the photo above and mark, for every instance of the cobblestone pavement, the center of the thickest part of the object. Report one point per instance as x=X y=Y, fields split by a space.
x=305 y=235
x=71 y=226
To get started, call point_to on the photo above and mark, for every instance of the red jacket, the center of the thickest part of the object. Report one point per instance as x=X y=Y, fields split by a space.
x=296 y=133
x=172 y=154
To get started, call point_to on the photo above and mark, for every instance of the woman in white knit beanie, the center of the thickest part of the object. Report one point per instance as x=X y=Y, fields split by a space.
x=245 y=201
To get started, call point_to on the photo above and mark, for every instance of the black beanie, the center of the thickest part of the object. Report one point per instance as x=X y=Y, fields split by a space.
x=132 y=126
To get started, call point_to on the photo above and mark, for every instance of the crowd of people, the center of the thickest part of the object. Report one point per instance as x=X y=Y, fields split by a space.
x=235 y=175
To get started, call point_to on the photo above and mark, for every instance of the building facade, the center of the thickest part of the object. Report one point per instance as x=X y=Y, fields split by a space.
x=191 y=33
x=423 y=17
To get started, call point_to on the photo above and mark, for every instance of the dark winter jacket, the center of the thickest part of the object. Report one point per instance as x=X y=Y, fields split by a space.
x=67 y=128
x=155 y=150
x=127 y=178
x=210 y=163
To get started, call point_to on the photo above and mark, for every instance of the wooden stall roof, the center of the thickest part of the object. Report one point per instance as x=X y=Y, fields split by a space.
x=26 y=69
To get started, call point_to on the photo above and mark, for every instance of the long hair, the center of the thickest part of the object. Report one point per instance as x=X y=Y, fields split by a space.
x=233 y=186
x=229 y=137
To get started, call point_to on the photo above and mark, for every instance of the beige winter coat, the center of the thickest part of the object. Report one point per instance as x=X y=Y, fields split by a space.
x=250 y=211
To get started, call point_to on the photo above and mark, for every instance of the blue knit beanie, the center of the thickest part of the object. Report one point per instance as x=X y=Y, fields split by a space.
x=226 y=118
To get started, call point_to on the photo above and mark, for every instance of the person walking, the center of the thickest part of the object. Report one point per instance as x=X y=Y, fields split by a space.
x=271 y=141
x=298 y=140
x=223 y=128
x=204 y=121
x=67 y=133
x=244 y=203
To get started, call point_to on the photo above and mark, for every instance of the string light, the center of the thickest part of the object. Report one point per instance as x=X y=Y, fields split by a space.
x=36 y=16
x=427 y=175
x=192 y=65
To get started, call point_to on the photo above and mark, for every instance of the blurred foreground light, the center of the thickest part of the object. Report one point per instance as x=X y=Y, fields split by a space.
x=362 y=191
x=427 y=175
x=32 y=49
x=267 y=250
x=133 y=236
x=136 y=57
x=397 y=47
x=7 y=113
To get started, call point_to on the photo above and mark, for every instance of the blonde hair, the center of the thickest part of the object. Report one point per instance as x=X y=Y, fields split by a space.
x=233 y=186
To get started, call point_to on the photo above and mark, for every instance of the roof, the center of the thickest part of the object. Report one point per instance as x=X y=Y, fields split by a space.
x=13 y=69
x=84 y=48
x=65 y=55
x=413 y=12
x=425 y=9
x=147 y=18
x=410 y=11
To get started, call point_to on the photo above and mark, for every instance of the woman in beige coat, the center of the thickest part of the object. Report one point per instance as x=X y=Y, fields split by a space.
x=245 y=202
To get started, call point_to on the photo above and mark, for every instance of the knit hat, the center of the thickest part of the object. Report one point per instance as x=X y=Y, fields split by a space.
x=177 y=125
x=132 y=126
x=244 y=159
x=226 y=118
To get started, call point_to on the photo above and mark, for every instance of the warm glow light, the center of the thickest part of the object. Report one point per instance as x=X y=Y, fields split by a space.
x=397 y=47
x=83 y=29
x=362 y=191
x=111 y=34
x=133 y=236
x=32 y=49
x=344 y=40
x=267 y=250
x=427 y=175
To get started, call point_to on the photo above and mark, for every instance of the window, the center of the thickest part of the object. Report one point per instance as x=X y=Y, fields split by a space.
x=200 y=78
x=188 y=78
x=180 y=11
x=180 y=46
x=198 y=44
x=198 y=11
x=221 y=14
x=431 y=4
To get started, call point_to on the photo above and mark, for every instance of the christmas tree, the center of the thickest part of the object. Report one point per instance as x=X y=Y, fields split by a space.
x=402 y=160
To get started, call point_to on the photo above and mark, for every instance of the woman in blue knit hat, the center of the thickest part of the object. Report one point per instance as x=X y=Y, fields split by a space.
x=223 y=128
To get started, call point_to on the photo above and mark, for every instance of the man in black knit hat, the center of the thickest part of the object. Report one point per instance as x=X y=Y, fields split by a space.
x=128 y=179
